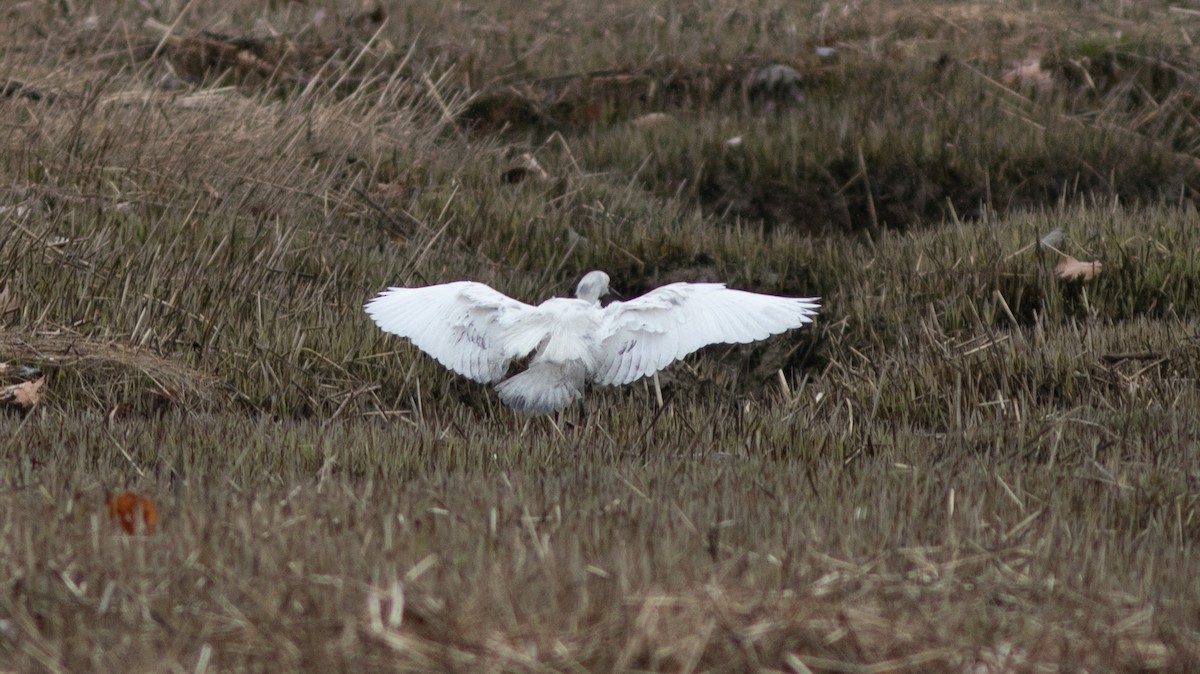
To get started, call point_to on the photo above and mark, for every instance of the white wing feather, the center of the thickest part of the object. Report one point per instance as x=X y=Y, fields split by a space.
x=468 y=327
x=644 y=335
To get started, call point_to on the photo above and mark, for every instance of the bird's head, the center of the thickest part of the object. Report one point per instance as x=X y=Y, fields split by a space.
x=592 y=286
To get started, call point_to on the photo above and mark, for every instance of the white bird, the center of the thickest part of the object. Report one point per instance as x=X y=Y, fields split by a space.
x=477 y=332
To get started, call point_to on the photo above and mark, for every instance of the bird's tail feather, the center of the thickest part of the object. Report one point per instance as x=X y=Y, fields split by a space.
x=542 y=388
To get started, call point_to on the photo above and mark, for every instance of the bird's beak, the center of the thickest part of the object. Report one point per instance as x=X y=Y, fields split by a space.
x=614 y=293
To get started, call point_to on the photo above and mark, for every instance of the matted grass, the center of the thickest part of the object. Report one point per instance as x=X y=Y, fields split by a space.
x=968 y=464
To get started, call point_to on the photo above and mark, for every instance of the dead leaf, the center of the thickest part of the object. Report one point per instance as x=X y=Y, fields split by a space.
x=1028 y=74
x=22 y=396
x=124 y=509
x=1071 y=269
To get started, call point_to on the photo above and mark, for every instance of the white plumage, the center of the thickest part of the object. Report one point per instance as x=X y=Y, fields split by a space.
x=477 y=332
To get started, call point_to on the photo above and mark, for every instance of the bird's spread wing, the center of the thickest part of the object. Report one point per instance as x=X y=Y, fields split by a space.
x=468 y=327
x=646 y=334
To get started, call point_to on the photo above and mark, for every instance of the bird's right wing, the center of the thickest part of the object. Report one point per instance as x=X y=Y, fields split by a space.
x=644 y=335
x=468 y=327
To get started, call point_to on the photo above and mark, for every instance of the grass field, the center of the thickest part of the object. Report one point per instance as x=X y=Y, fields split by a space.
x=967 y=464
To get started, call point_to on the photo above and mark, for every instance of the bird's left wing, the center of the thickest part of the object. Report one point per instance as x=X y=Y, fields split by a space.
x=466 y=326
x=644 y=335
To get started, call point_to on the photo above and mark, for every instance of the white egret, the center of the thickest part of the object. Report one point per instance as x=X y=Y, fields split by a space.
x=477 y=332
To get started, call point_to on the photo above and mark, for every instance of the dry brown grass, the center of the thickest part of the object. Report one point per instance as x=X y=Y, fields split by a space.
x=969 y=464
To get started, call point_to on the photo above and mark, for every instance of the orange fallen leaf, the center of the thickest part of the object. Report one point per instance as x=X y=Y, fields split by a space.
x=24 y=395
x=1070 y=269
x=124 y=509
